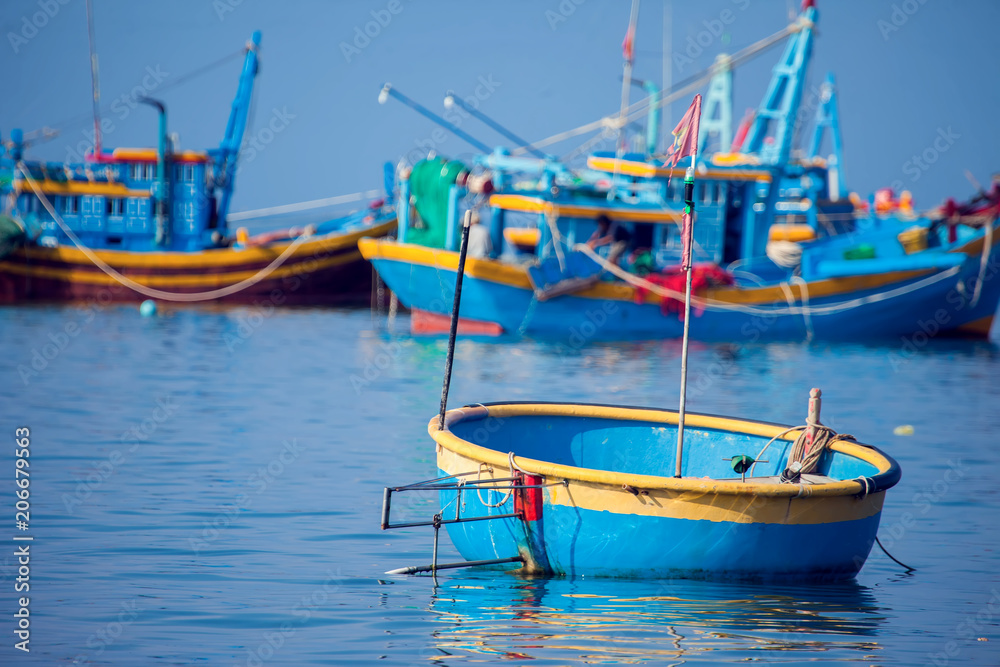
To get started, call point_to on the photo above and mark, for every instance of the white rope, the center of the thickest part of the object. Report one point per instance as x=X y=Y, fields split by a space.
x=149 y=291
x=514 y=466
x=714 y=304
x=506 y=496
x=786 y=254
x=301 y=206
x=550 y=219
x=866 y=481
x=987 y=246
x=761 y=452
x=806 y=315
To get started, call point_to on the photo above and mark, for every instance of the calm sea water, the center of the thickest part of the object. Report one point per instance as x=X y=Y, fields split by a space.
x=206 y=487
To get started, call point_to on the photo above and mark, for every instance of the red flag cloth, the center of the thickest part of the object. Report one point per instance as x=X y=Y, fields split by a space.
x=628 y=45
x=686 y=144
x=687 y=233
x=685 y=134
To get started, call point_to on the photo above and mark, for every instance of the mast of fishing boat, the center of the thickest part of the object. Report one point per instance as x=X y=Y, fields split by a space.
x=95 y=85
x=232 y=142
x=688 y=212
x=687 y=139
x=628 y=50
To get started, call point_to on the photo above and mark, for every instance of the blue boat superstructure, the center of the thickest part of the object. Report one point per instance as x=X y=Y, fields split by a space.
x=110 y=200
x=607 y=503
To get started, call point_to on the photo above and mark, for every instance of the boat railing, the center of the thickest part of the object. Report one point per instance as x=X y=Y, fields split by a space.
x=524 y=488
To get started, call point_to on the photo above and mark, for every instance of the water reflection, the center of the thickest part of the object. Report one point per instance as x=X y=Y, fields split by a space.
x=661 y=622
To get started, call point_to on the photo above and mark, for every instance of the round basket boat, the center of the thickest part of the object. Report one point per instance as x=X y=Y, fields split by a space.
x=594 y=493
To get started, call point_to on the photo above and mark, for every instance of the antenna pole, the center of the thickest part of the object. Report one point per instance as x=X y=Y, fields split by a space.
x=628 y=48
x=95 y=84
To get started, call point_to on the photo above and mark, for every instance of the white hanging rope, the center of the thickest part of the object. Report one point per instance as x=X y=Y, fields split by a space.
x=301 y=206
x=149 y=291
x=714 y=304
x=987 y=246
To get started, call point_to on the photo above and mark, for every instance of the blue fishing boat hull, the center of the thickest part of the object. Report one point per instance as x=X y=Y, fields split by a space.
x=584 y=542
x=595 y=513
x=915 y=297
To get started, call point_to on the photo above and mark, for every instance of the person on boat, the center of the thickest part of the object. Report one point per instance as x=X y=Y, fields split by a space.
x=479 y=238
x=607 y=233
x=610 y=234
x=885 y=201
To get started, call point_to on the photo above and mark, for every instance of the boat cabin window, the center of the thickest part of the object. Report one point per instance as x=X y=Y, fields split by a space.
x=185 y=172
x=149 y=171
x=70 y=205
x=673 y=193
x=135 y=171
x=114 y=206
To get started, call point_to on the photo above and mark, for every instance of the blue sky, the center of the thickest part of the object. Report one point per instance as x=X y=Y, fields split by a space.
x=916 y=78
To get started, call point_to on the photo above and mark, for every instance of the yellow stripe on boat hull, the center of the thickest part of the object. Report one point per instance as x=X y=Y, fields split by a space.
x=668 y=497
x=94 y=276
x=216 y=257
x=697 y=505
x=515 y=276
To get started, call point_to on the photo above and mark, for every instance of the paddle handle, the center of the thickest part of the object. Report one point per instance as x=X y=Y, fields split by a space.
x=815 y=402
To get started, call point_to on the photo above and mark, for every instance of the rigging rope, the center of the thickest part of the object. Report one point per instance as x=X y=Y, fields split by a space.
x=76 y=120
x=692 y=83
x=987 y=246
x=705 y=303
x=150 y=291
x=300 y=206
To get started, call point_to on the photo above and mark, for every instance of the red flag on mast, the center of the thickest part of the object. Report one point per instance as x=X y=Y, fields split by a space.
x=685 y=144
x=685 y=134
x=628 y=45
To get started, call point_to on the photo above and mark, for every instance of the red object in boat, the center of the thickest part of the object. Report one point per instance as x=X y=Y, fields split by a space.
x=528 y=502
x=426 y=322
x=702 y=275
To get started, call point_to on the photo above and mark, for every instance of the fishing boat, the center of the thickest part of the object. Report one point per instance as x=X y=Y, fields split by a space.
x=590 y=490
x=135 y=223
x=781 y=251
